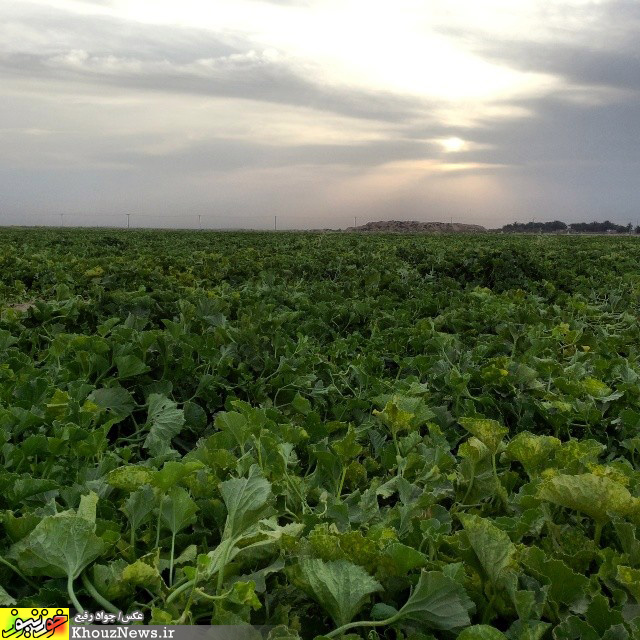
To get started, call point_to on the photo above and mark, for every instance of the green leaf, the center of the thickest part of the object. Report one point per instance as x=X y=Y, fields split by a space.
x=347 y=448
x=489 y=432
x=628 y=540
x=60 y=546
x=535 y=453
x=528 y=630
x=481 y=632
x=244 y=593
x=174 y=472
x=601 y=615
x=26 y=487
x=630 y=579
x=138 y=506
x=116 y=400
x=578 y=451
x=58 y=404
x=165 y=421
x=473 y=450
x=107 y=579
x=142 y=574
x=177 y=509
x=493 y=547
x=235 y=424
x=573 y=628
x=394 y=417
x=301 y=404
x=404 y=559
x=5 y=599
x=596 y=388
x=340 y=587
x=437 y=602
x=87 y=508
x=566 y=586
x=597 y=496
x=130 y=366
x=130 y=477
x=246 y=500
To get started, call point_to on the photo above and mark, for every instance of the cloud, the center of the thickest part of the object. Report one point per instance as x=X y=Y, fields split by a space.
x=103 y=113
x=111 y=52
x=603 y=51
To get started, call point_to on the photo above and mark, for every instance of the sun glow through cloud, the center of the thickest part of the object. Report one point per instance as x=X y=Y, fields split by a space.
x=453 y=144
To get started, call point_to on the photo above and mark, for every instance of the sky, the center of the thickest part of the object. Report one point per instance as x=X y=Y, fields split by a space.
x=227 y=113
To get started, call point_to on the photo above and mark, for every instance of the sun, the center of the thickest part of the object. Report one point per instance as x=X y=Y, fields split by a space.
x=452 y=145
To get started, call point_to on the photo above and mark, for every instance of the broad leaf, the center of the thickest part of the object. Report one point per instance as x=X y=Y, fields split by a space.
x=138 y=506
x=60 y=546
x=5 y=599
x=489 y=432
x=130 y=366
x=116 y=400
x=165 y=421
x=130 y=477
x=437 y=602
x=597 y=496
x=496 y=552
x=481 y=632
x=340 y=587
x=177 y=509
x=246 y=500
x=535 y=453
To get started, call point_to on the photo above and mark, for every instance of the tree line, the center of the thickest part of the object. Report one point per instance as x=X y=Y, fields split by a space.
x=577 y=227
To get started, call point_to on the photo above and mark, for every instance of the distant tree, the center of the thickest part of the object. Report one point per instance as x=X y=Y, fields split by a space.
x=597 y=227
x=535 y=227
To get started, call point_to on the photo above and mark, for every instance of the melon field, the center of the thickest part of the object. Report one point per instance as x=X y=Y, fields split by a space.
x=383 y=436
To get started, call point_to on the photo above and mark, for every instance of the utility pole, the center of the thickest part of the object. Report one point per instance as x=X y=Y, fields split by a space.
x=128 y=222
x=199 y=222
x=355 y=221
x=62 y=219
x=275 y=223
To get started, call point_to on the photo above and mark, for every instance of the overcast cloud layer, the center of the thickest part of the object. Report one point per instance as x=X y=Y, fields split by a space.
x=318 y=112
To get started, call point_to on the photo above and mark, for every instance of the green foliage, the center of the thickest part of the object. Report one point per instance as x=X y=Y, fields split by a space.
x=332 y=435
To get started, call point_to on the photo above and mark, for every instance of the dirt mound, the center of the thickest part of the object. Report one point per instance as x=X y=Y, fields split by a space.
x=411 y=226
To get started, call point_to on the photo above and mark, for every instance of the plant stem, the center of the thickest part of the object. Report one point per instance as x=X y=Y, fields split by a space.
x=174 y=594
x=185 y=613
x=158 y=523
x=223 y=564
x=471 y=480
x=343 y=475
x=72 y=595
x=362 y=623
x=597 y=533
x=173 y=546
x=498 y=483
x=16 y=570
x=488 y=612
x=94 y=593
